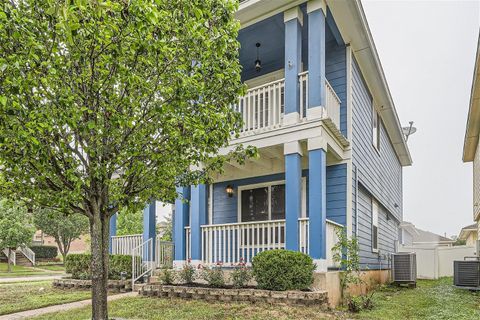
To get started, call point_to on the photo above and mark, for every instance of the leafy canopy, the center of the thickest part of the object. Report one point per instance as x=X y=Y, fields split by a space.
x=63 y=228
x=108 y=104
x=130 y=222
x=15 y=225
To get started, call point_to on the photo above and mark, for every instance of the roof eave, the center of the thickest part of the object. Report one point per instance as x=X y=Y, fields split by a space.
x=354 y=28
x=473 y=121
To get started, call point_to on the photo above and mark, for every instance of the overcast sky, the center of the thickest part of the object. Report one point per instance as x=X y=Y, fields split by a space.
x=427 y=49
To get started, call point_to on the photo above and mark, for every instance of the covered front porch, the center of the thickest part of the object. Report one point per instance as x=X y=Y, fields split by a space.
x=293 y=196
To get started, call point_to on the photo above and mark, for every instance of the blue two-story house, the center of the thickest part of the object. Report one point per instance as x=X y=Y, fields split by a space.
x=330 y=144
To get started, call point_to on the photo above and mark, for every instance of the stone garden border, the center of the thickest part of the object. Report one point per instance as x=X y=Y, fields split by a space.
x=319 y=298
x=113 y=285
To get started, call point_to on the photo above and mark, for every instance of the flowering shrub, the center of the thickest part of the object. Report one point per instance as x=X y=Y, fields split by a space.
x=240 y=275
x=187 y=274
x=214 y=275
x=167 y=276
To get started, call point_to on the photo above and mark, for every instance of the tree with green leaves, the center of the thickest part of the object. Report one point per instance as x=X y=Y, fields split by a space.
x=106 y=105
x=64 y=228
x=165 y=228
x=346 y=253
x=15 y=227
x=130 y=222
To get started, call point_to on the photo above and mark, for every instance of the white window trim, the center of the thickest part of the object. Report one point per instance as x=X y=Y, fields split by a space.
x=269 y=184
x=375 y=222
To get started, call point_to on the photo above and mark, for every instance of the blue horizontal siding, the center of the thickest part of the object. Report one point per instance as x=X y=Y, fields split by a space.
x=336 y=74
x=387 y=233
x=225 y=207
x=379 y=175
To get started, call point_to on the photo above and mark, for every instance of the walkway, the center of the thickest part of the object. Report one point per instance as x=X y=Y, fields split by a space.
x=61 y=307
x=32 y=278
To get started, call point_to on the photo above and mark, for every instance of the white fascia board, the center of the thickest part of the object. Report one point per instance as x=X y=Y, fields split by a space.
x=473 y=121
x=253 y=11
x=354 y=29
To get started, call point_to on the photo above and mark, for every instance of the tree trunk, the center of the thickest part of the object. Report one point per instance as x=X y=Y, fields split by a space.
x=9 y=267
x=99 y=226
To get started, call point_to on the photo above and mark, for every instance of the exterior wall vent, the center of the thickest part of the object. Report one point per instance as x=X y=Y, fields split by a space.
x=404 y=268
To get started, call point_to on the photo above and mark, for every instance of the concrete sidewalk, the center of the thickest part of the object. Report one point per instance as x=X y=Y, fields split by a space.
x=60 y=307
x=32 y=278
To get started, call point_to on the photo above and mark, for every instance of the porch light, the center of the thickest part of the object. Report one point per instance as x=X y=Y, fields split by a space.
x=229 y=191
x=258 y=63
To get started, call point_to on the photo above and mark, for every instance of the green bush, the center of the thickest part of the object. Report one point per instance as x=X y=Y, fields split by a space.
x=79 y=266
x=45 y=252
x=283 y=270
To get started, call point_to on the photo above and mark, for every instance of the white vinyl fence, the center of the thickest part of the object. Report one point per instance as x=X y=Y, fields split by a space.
x=436 y=262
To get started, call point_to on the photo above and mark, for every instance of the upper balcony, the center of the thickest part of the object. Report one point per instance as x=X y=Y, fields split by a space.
x=293 y=61
x=263 y=106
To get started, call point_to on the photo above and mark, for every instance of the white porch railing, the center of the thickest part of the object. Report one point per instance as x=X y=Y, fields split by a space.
x=231 y=243
x=125 y=244
x=332 y=104
x=332 y=240
x=142 y=260
x=263 y=107
x=234 y=242
x=28 y=253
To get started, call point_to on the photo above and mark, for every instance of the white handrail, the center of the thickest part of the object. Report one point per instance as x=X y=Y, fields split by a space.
x=142 y=260
x=28 y=253
x=12 y=257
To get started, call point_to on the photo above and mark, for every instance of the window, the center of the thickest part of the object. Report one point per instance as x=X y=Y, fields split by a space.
x=374 y=225
x=262 y=203
x=376 y=121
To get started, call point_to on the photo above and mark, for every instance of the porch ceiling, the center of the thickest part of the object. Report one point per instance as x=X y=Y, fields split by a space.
x=270 y=160
x=270 y=33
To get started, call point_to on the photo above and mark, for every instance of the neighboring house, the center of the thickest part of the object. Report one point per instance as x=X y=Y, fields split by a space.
x=411 y=236
x=331 y=147
x=77 y=246
x=469 y=234
x=471 y=150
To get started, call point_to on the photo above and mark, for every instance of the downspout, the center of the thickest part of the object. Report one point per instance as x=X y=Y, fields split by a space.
x=356 y=202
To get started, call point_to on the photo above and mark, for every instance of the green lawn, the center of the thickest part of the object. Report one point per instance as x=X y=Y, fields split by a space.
x=52 y=267
x=20 y=271
x=165 y=309
x=15 y=297
x=432 y=299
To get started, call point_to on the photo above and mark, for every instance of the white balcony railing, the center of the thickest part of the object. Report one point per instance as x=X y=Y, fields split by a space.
x=263 y=107
x=235 y=242
x=332 y=105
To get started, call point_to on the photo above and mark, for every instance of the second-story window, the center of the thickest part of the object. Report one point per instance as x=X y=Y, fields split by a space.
x=375 y=128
